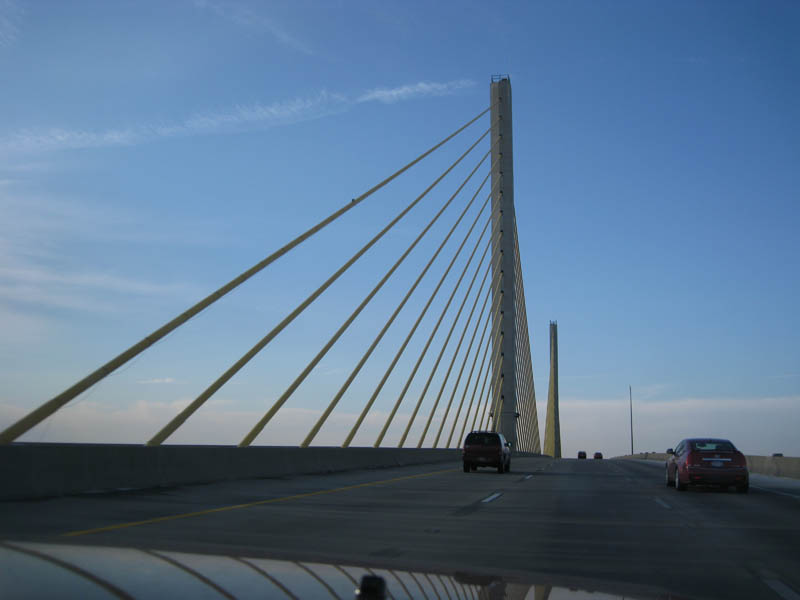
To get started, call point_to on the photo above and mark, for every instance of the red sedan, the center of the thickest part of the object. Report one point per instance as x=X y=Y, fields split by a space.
x=707 y=461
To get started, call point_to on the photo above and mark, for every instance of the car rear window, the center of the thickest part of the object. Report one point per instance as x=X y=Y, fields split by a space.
x=713 y=446
x=483 y=439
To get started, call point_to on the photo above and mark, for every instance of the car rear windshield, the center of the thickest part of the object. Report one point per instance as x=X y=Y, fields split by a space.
x=483 y=439
x=713 y=446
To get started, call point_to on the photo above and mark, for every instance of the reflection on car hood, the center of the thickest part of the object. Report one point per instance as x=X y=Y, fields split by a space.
x=38 y=570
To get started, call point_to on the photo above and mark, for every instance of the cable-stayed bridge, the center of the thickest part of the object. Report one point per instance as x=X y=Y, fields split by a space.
x=438 y=343
x=462 y=359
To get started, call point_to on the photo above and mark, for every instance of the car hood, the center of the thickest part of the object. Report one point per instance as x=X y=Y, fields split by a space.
x=34 y=570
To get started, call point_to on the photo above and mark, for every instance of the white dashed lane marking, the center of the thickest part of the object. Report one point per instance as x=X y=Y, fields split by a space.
x=494 y=496
x=783 y=590
x=662 y=503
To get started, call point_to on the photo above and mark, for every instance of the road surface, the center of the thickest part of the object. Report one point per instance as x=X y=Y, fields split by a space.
x=601 y=521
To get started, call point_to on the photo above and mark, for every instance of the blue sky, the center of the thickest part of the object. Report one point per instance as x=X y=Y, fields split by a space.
x=151 y=151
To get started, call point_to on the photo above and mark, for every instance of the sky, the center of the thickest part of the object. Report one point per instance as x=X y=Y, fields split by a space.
x=151 y=151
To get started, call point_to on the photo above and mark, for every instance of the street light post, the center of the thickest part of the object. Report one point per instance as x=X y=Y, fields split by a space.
x=630 y=397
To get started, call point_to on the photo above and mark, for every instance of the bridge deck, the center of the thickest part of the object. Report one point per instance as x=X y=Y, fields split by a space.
x=567 y=520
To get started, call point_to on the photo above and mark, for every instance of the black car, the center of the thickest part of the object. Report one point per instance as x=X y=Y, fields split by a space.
x=598 y=455
x=582 y=454
x=486 y=449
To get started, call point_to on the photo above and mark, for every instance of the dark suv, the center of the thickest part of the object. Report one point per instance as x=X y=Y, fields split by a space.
x=486 y=449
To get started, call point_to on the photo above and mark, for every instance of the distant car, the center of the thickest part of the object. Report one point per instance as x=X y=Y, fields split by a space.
x=706 y=461
x=582 y=454
x=598 y=455
x=486 y=449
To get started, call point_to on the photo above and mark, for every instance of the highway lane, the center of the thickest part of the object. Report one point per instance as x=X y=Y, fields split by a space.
x=563 y=521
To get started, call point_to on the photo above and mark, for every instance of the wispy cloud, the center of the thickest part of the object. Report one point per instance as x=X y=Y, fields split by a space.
x=10 y=14
x=416 y=90
x=37 y=276
x=44 y=286
x=238 y=118
x=244 y=16
x=227 y=121
x=33 y=272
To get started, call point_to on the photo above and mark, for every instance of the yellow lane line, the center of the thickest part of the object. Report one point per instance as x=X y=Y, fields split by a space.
x=249 y=504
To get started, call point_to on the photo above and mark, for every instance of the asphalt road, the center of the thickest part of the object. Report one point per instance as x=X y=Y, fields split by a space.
x=588 y=523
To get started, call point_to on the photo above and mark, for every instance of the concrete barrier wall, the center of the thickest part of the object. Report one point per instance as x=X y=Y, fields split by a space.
x=42 y=470
x=779 y=466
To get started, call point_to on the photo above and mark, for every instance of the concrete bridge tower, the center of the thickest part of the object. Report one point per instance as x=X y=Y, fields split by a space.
x=552 y=431
x=503 y=247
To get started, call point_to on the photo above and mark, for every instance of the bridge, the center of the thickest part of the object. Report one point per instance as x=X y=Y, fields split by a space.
x=389 y=494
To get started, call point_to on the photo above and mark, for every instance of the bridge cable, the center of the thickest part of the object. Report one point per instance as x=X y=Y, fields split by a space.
x=419 y=319
x=378 y=389
x=497 y=376
x=248 y=439
x=497 y=413
x=467 y=354
x=455 y=352
x=523 y=398
x=492 y=417
x=455 y=355
x=497 y=338
x=480 y=409
x=430 y=339
x=527 y=400
x=480 y=412
x=478 y=354
x=487 y=320
x=495 y=367
x=468 y=381
x=495 y=302
x=496 y=373
x=498 y=366
x=490 y=343
x=315 y=429
x=46 y=409
x=179 y=419
x=534 y=421
x=520 y=370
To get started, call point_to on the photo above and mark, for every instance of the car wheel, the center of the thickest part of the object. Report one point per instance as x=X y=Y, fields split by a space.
x=743 y=489
x=508 y=466
x=473 y=467
x=669 y=483
x=681 y=487
x=501 y=468
x=466 y=467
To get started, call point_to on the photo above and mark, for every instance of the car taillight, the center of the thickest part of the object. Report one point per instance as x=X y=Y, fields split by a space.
x=693 y=460
x=739 y=460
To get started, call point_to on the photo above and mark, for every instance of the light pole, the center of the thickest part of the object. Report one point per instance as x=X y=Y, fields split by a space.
x=630 y=397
